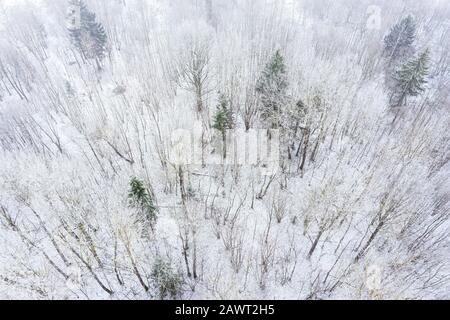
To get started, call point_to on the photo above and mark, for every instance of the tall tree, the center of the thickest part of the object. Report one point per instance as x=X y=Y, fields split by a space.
x=86 y=34
x=398 y=44
x=410 y=79
x=271 y=87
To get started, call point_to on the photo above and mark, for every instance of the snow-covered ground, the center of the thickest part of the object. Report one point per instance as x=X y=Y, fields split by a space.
x=358 y=207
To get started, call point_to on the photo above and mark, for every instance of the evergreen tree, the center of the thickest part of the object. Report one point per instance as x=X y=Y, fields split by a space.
x=168 y=282
x=141 y=199
x=89 y=36
x=271 y=87
x=223 y=120
x=410 y=79
x=398 y=44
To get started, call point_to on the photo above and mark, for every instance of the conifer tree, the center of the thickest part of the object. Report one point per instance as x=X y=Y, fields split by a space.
x=167 y=281
x=140 y=198
x=88 y=35
x=410 y=79
x=223 y=120
x=271 y=87
x=398 y=44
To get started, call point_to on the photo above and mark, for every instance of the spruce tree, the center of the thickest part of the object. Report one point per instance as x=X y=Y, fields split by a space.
x=410 y=79
x=140 y=198
x=271 y=87
x=223 y=120
x=398 y=44
x=89 y=36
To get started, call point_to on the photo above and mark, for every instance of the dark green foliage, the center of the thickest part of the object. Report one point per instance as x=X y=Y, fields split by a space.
x=271 y=87
x=410 y=79
x=89 y=37
x=223 y=118
x=398 y=44
x=140 y=198
x=167 y=281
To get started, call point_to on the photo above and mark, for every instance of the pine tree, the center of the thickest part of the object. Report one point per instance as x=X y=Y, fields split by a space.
x=410 y=79
x=223 y=120
x=88 y=36
x=398 y=44
x=271 y=87
x=140 y=198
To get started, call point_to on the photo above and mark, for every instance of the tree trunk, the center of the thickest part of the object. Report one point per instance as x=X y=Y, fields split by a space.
x=362 y=252
x=313 y=247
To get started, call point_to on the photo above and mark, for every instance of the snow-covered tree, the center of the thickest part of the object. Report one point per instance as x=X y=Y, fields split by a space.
x=86 y=34
x=194 y=73
x=166 y=280
x=410 y=79
x=398 y=43
x=272 y=89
